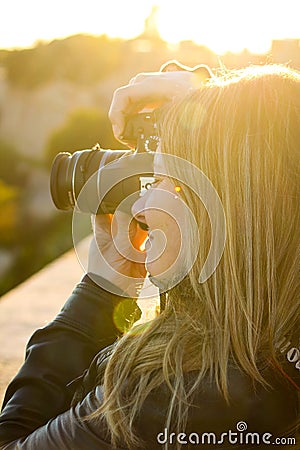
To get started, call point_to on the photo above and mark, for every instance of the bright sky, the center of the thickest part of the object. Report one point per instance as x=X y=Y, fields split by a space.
x=221 y=25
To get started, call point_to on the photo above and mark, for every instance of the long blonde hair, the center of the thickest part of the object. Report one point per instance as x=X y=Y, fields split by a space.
x=242 y=129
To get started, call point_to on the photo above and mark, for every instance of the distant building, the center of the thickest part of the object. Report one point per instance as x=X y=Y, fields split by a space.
x=151 y=25
x=149 y=40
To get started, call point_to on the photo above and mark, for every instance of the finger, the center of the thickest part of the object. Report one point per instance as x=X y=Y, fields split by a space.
x=139 y=237
x=101 y=223
x=138 y=270
x=127 y=237
x=132 y=99
x=124 y=226
x=173 y=66
x=201 y=70
x=139 y=77
x=152 y=88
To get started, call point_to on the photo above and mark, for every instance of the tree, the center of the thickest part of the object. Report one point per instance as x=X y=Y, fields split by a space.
x=8 y=213
x=81 y=59
x=83 y=129
x=13 y=166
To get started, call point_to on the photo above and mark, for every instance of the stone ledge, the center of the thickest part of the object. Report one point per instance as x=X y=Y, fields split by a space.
x=32 y=305
x=36 y=302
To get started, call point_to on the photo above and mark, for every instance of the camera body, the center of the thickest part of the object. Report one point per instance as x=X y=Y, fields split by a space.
x=97 y=180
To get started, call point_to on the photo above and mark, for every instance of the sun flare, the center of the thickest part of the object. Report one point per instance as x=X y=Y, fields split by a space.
x=229 y=26
x=222 y=26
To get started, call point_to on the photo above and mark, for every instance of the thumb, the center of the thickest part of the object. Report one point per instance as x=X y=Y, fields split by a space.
x=124 y=230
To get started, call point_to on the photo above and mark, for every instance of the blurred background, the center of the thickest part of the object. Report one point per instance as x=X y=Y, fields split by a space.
x=60 y=62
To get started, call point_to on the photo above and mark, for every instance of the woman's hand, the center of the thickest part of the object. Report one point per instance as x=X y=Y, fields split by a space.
x=114 y=253
x=151 y=90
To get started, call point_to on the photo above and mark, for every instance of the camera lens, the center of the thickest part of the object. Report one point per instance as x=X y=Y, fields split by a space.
x=70 y=172
x=108 y=177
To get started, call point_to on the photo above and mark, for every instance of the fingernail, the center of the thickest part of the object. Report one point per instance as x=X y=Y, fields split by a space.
x=116 y=130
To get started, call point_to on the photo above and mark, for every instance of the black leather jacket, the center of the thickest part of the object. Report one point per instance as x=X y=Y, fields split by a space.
x=38 y=413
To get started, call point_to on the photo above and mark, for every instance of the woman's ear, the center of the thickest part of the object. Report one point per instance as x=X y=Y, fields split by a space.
x=202 y=70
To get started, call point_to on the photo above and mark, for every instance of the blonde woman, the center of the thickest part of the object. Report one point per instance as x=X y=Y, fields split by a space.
x=219 y=367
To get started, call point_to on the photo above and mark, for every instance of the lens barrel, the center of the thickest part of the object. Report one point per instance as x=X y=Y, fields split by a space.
x=96 y=180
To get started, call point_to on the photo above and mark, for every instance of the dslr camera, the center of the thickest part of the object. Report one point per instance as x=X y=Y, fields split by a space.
x=97 y=181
